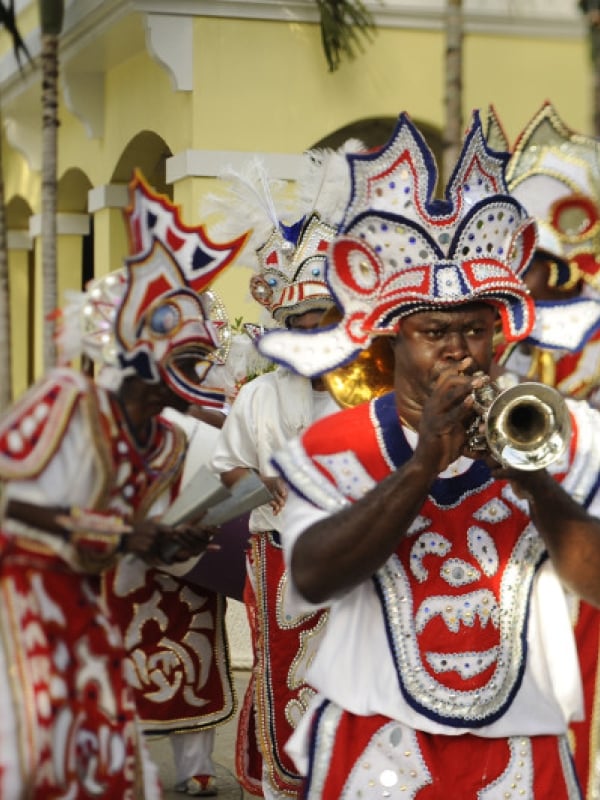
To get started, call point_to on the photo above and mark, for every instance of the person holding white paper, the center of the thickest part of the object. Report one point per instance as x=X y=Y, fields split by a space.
x=269 y=410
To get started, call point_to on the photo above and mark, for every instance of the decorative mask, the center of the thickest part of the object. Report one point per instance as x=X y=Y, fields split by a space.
x=555 y=173
x=167 y=326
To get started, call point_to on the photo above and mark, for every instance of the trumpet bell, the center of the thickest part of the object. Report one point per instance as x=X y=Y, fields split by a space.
x=528 y=426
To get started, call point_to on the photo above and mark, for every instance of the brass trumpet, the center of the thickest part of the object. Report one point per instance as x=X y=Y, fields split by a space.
x=526 y=426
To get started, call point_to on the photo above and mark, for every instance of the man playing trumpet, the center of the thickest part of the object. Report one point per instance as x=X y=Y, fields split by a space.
x=448 y=667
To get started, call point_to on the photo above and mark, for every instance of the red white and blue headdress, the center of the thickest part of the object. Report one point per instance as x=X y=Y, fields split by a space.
x=555 y=173
x=157 y=314
x=164 y=319
x=291 y=231
x=399 y=250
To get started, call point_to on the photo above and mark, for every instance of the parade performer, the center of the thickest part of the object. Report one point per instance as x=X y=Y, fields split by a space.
x=288 y=263
x=555 y=173
x=447 y=666
x=173 y=629
x=86 y=471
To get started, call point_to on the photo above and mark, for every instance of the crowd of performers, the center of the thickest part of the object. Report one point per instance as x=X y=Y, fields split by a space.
x=424 y=610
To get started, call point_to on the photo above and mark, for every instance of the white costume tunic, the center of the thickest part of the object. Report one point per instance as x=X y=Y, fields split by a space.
x=466 y=628
x=268 y=412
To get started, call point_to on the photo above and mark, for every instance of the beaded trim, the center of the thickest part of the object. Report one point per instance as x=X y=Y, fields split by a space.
x=400 y=251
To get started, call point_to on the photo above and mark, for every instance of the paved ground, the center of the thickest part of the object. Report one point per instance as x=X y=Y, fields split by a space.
x=223 y=755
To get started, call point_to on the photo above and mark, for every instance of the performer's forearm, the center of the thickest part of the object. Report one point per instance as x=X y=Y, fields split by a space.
x=339 y=552
x=43 y=517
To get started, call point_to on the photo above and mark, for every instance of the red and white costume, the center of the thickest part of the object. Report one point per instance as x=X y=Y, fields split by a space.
x=554 y=172
x=459 y=649
x=68 y=723
x=177 y=649
x=267 y=412
x=289 y=264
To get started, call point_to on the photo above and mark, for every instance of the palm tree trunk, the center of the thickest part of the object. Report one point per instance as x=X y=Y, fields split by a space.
x=51 y=18
x=49 y=190
x=453 y=128
x=7 y=21
x=5 y=340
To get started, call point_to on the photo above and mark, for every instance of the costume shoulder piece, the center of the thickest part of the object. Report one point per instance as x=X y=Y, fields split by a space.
x=31 y=431
x=338 y=458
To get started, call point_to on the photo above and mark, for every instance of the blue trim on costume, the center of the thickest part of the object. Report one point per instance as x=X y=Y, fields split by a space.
x=396 y=219
x=299 y=335
x=592 y=493
x=585 y=335
x=312 y=745
x=288 y=479
x=500 y=157
x=445 y=492
x=492 y=200
x=291 y=233
x=418 y=139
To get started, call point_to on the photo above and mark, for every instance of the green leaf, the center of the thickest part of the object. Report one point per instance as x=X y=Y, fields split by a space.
x=345 y=24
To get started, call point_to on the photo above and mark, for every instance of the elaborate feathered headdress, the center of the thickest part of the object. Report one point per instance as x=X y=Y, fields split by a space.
x=400 y=251
x=288 y=257
x=156 y=316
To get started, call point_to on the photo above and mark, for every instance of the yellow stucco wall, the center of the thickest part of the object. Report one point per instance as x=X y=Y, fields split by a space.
x=264 y=86
x=517 y=75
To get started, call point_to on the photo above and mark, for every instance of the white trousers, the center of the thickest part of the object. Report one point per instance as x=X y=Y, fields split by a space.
x=192 y=753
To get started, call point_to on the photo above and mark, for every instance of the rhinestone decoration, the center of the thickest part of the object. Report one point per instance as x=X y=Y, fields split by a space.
x=348 y=473
x=427 y=544
x=493 y=511
x=517 y=779
x=457 y=573
x=565 y=325
x=294 y=268
x=499 y=664
x=482 y=548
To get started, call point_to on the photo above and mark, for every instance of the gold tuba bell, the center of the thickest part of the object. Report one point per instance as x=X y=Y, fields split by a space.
x=527 y=426
x=367 y=376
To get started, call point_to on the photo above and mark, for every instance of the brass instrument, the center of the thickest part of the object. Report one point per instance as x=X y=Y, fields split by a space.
x=366 y=377
x=526 y=426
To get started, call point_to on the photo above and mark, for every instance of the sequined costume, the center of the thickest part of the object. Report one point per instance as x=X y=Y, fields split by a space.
x=75 y=482
x=177 y=649
x=554 y=171
x=451 y=671
x=266 y=413
x=464 y=630
x=68 y=724
x=288 y=259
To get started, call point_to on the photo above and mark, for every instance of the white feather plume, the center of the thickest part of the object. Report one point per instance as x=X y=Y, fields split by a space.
x=247 y=199
x=69 y=328
x=324 y=185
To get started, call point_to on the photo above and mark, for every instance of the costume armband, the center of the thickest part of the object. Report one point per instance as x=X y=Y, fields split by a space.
x=97 y=536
